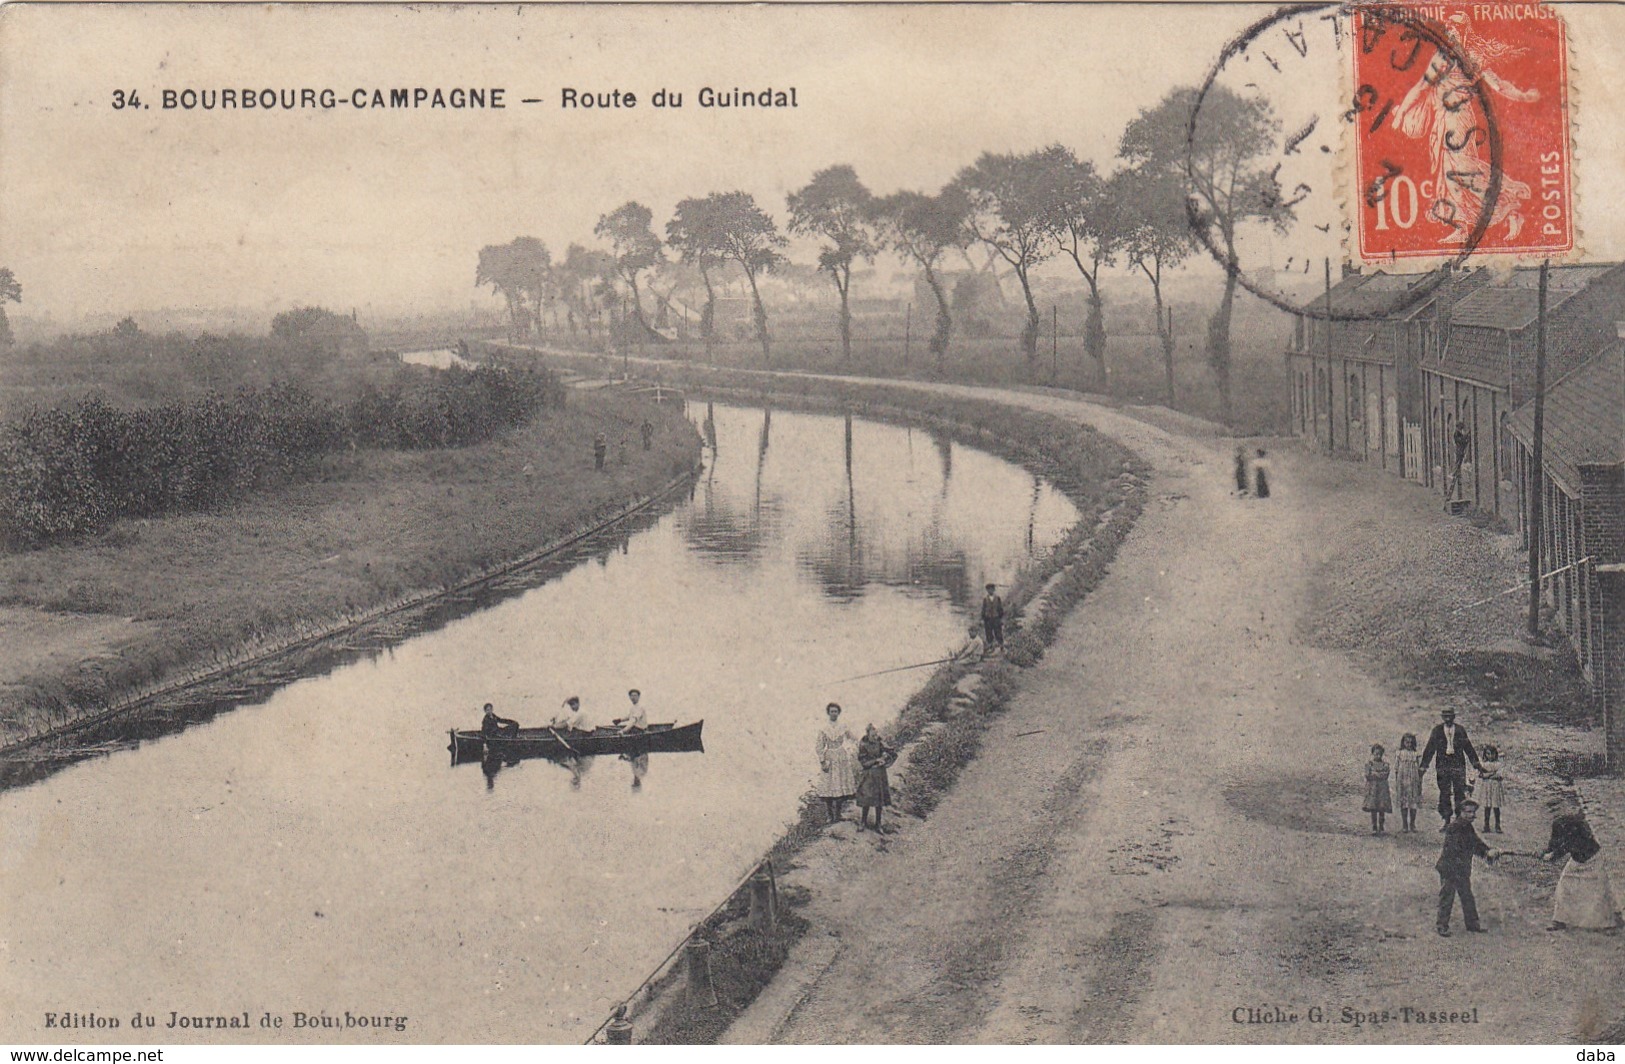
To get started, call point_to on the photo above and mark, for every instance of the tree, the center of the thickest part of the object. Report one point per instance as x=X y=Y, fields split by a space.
x=748 y=238
x=10 y=292
x=695 y=233
x=922 y=229
x=634 y=246
x=1085 y=229
x=1014 y=209
x=314 y=330
x=835 y=205
x=583 y=275
x=1216 y=142
x=522 y=272
x=1153 y=234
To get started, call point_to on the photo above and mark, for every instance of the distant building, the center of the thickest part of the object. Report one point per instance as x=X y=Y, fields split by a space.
x=1582 y=523
x=1486 y=367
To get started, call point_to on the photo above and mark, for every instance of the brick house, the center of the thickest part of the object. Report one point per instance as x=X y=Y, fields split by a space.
x=1485 y=368
x=1356 y=382
x=1582 y=527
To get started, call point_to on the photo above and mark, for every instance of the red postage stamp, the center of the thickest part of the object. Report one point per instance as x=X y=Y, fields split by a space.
x=1461 y=131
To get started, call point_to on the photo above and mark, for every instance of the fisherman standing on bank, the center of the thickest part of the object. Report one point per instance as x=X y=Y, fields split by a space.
x=648 y=431
x=993 y=618
x=600 y=447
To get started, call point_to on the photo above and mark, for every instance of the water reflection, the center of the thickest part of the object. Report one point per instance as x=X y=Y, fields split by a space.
x=328 y=790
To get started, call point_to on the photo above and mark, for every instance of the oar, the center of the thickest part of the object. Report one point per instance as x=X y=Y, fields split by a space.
x=882 y=672
x=562 y=740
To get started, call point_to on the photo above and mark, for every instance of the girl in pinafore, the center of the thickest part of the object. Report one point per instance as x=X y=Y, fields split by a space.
x=1491 y=789
x=1408 y=781
x=1378 y=801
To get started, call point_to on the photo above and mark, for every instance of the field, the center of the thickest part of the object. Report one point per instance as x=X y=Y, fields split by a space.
x=152 y=598
x=882 y=348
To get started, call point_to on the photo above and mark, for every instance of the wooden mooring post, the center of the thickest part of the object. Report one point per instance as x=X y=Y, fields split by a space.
x=764 y=909
x=618 y=1031
x=700 y=989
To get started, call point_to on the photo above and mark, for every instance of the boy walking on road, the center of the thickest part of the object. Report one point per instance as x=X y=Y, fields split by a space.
x=1455 y=867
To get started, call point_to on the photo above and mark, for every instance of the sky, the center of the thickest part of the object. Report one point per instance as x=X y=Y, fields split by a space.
x=106 y=210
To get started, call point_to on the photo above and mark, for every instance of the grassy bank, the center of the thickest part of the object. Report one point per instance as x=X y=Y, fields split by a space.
x=940 y=728
x=155 y=599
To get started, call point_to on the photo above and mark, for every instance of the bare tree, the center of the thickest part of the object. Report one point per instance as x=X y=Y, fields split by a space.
x=835 y=205
x=922 y=229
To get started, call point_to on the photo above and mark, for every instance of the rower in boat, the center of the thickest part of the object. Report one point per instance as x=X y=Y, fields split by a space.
x=636 y=718
x=570 y=716
x=495 y=727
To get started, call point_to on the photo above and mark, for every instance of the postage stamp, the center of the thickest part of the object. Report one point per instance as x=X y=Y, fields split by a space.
x=1461 y=130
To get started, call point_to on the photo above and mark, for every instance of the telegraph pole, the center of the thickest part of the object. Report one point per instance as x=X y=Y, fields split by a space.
x=1536 y=474
x=1330 y=448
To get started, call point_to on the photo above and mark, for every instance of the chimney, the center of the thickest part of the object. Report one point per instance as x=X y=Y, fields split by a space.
x=1351 y=269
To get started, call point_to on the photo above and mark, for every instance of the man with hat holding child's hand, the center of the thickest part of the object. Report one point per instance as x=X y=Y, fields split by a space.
x=1455 y=867
x=1449 y=743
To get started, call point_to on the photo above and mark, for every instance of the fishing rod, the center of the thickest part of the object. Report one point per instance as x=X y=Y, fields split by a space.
x=898 y=668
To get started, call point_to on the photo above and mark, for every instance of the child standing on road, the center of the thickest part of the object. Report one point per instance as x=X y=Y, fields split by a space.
x=1491 y=789
x=1378 y=801
x=1408 y=781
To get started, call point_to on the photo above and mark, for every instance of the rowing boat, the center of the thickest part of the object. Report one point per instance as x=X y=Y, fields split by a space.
x=473 y=745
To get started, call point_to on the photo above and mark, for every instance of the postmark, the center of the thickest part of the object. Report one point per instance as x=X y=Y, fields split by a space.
x=1388 y=146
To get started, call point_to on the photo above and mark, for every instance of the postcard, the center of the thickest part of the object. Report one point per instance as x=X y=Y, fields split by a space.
x=812 y=524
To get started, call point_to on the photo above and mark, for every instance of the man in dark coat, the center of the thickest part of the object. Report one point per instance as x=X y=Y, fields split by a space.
x=1449 y=744
x=495 y=727
x=1455 y=868
x=993 y=617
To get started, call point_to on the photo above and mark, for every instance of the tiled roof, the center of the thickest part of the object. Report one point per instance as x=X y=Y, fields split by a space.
x=1584 y=419
x=1374 y=295
x=1512 y=302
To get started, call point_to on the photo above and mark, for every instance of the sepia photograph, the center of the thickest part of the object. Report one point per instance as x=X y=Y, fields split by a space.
x=811 y=524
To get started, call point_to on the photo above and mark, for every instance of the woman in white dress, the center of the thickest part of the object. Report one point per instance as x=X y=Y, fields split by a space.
x=1585 y=898
x=838 y=774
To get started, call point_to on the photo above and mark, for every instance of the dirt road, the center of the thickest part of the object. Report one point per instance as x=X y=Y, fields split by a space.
x=1179 y=855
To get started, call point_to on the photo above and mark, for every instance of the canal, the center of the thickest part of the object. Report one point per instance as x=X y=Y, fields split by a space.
x=313 y=850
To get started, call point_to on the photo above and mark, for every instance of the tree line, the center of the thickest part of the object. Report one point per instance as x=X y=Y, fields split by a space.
x=1180 y=175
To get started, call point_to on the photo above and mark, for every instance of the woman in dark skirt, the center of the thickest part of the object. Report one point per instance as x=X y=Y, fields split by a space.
x=874 y=789
x=1241 y=470
x=1261 y=476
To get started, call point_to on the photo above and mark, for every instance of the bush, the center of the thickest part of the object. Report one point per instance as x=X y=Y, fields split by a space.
x=72 y=471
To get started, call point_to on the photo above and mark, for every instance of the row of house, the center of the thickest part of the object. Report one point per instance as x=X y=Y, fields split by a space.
x=1432 y=377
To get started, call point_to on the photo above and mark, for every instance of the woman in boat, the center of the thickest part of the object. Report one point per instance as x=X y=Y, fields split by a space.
x=874 y=789
x=1584 y=896
x=837 y=780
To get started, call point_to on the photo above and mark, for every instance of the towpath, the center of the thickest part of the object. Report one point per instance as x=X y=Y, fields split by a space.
x=1174 y=850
